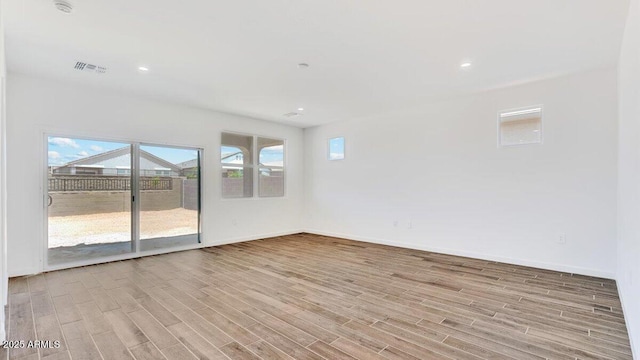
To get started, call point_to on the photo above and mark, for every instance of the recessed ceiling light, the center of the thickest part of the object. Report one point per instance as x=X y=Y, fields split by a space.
x=63 y=6
x=143 y=68
x=465 y=64
x=300 y=109
x=303 y=65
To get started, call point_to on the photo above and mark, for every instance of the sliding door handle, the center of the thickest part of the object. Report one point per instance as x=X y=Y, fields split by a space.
x=50 y=201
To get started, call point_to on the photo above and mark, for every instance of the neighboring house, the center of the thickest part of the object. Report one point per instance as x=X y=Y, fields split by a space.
x=118 y=162
x=232 y=163
x=235 y=158
x=189 y=168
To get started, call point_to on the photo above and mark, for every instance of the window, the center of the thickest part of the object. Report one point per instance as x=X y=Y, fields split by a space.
x=87 y=170
x=271 y=158
x=520 y=126
x=236 y=159
x=336 y=148
x=122 y=170
x=162 y=172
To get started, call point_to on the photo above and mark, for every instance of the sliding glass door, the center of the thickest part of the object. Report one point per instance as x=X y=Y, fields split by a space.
x=88 y=200
x=107 y=199
x=169 y=204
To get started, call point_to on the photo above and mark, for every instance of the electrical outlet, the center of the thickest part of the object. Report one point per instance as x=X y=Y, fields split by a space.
x=562 y=238
x=395 y=223
x=409 y=225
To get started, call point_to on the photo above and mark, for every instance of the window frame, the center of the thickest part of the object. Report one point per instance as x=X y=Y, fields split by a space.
x=244 y=165
x=344 y=148
x=47 y=132
x=500 y=116
x=254 y=165
x=283 y=167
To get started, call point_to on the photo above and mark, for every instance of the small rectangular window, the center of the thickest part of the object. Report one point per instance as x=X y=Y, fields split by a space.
x=520 y=126
x=336 y=148
x=236 y=158
x=271 y=159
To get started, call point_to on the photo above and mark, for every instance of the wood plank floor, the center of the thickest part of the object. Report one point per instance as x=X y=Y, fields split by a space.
x=313 y=297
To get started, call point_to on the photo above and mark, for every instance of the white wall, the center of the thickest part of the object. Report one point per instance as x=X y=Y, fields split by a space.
x=3 y=245
x=628 y=274
x=35 y=105
x=439 y=168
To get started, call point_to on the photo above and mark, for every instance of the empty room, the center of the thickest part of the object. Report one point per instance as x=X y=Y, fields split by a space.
x=341 y=179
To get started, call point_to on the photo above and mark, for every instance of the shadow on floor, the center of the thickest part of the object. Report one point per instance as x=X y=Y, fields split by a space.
x=67 y=254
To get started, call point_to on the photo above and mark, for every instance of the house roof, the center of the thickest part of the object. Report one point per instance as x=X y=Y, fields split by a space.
x=228 y=156
x=102 y=157
x=93 y=159
x=188 y=164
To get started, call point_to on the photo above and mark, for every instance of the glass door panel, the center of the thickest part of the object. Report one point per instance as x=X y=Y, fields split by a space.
x=169 y=204
x=88 y=199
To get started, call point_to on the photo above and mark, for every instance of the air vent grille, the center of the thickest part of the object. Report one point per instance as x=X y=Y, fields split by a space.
x=82 y=66
x=292 y=114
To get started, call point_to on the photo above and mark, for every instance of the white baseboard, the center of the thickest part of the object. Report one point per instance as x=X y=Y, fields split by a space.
x=253 y=237
x=482 y=256
x=489 y=257
x=24 y=272
x=3 y=335
x=33 y=271
x=635 y=352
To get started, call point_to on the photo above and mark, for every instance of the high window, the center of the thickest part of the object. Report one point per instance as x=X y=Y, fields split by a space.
x=520 y=126
x=336 y=148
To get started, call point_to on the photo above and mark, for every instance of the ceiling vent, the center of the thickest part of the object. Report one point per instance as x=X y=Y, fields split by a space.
x=90 y=68
x=63 y=6
x=292 y=114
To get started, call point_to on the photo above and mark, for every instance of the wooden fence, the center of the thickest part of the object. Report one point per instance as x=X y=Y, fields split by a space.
x=106 y=183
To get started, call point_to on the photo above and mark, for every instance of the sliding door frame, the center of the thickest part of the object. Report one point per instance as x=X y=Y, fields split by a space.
x=134 y=178
x=199 y=151
x=135 y=201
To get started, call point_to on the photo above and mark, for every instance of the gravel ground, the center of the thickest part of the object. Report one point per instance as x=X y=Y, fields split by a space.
x=116 y=227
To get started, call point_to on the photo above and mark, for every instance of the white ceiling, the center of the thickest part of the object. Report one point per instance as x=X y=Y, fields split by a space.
x=366 y=56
